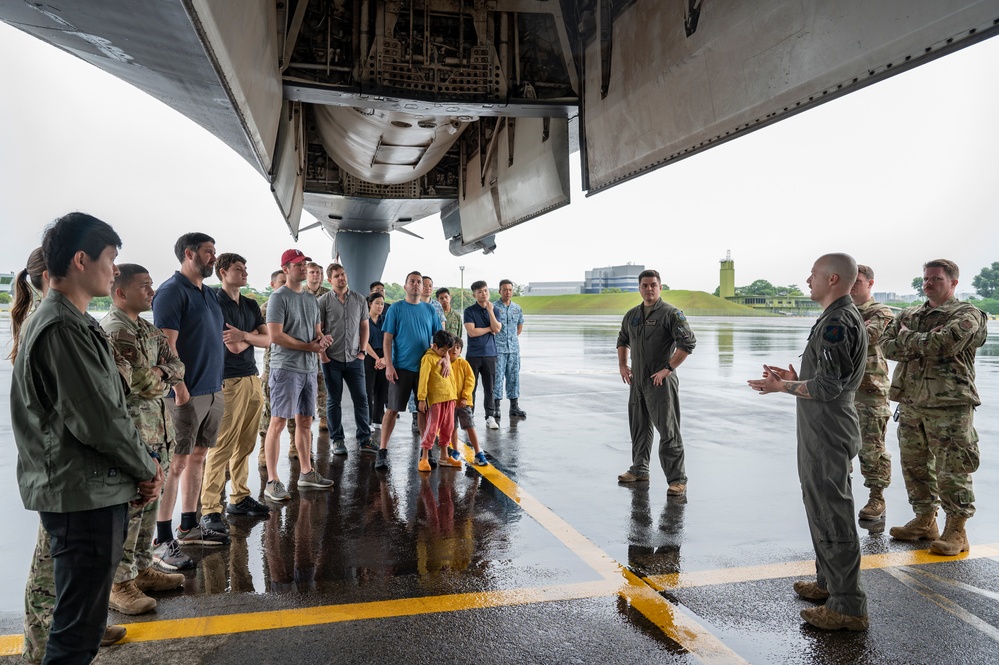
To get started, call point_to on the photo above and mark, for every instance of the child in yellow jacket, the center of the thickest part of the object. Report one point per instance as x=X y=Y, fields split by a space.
x=436 y=395
x=464 y=382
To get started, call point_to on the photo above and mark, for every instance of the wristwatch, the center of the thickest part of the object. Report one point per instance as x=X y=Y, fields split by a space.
x=670 y=368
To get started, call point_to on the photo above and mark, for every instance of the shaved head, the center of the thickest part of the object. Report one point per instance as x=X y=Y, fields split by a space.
x=833 y=276
x=842 y=265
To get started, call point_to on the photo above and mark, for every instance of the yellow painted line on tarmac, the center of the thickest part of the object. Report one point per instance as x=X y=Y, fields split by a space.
x=246 y=622
x=807 y=568
x=674 y=622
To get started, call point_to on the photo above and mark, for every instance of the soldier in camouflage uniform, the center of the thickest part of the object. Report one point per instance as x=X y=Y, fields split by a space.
x=934 y=384
x=871 y=399
x=154 y=369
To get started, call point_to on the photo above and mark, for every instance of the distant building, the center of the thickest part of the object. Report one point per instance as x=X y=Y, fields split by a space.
x=886 y=296
x=552 y=288
x=787 y=305
x=613 y=277
x=7 y=282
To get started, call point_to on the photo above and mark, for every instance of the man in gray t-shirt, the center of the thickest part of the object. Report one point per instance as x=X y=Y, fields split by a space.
x=296 y=338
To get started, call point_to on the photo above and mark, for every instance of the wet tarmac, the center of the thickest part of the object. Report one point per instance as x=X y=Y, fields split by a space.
x=544 y=558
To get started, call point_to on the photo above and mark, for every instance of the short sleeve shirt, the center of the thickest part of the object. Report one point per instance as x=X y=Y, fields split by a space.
x=298 y=314
x=412 y=328
x=483 y=346
x=196 y=316
x=244 y=315
x=342 y=321
x=507 y=340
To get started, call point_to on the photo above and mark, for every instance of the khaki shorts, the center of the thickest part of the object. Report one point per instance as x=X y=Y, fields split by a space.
x=197 y=422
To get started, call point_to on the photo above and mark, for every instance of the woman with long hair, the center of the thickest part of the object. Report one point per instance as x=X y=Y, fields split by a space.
x=34 y=279
x=374 y=361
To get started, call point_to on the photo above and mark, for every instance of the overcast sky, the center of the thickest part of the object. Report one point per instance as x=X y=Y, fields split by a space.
x=895 y=174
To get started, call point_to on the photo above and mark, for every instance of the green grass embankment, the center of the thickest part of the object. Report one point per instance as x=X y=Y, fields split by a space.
x=693 y=303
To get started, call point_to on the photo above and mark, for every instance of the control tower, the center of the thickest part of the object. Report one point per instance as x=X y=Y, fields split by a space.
x=726 y=284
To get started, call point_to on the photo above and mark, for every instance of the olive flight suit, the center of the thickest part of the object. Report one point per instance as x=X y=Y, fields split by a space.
x=653 y=338
x=828 y=439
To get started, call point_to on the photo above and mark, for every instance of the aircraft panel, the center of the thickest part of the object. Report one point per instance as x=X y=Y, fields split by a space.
x=653 y=95
x=243 y=41
x=157 y=50
x=523 y=173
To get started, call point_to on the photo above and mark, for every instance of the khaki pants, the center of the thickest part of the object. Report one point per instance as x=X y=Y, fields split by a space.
x=244 y=402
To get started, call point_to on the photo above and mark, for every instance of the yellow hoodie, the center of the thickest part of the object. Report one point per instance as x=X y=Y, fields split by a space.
x=433 y=387
x=464 y=380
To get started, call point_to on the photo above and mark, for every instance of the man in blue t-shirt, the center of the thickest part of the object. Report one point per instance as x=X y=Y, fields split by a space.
x=482 y=326
x=407 y=334
x=189 y=315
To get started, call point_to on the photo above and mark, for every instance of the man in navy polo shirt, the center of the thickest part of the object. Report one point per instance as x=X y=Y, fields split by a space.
x=189 y=315
x=482 y=326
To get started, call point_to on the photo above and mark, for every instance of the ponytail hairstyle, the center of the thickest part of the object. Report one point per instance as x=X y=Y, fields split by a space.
x=24 y=295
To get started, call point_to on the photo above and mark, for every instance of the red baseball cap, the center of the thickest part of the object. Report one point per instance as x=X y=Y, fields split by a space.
x=293 y=256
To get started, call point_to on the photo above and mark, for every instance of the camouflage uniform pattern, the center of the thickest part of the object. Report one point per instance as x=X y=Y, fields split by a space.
x=871 y=399
x=136 y=346
x=145 y=347
x=934 y=384
x=39 y=600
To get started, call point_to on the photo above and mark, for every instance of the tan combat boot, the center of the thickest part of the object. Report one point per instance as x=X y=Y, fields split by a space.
x=127 y=599
x=954 y=539
x=875 y=508
x=920 y=527
x=152 y=579
x=113 y=635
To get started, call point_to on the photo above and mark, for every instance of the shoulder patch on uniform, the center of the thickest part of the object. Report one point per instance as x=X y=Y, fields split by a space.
x=967 y=325
x=833 y=334
x=680 y=317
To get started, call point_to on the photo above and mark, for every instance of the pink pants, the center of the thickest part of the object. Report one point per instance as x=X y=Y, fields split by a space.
x=440 y=422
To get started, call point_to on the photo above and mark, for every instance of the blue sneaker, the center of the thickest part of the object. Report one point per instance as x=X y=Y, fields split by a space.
x=455 y=455
x=480 y=459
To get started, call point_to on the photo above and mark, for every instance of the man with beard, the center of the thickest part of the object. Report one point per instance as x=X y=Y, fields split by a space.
x=189 y=315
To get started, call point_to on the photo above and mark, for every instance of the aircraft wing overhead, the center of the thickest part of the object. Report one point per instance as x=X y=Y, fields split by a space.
x=372 y=114
x=664 y=80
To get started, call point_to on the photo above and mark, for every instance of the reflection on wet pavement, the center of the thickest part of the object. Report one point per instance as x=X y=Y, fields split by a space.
x=542 y=532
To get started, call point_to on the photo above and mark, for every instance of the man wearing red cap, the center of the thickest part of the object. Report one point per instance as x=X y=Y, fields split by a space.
x=296 y=337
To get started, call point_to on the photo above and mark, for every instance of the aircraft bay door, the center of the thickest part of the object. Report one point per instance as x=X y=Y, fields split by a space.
x=516 y=171
x=663 y=80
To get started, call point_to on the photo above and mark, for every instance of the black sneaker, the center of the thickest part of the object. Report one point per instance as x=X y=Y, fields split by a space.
x=248 y=506
x=214 y=522
x=416 y=424
x=381 y=461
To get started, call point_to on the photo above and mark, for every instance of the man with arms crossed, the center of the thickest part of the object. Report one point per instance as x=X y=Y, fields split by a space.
x=189 y=315
x=832 y=368
x=659 y=339
x=244 y=400
x=154 y=367
x=344 y=316
x=407 y=333
x=871 y=399
x=934 y=384
x=80 y=460
x=314 y=285
x=296 y=339
x=482 y=326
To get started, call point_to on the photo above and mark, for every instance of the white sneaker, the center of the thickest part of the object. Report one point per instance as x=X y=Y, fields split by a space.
x=491 y=423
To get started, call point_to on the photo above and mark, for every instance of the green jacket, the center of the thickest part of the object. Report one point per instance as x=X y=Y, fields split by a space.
x=77 y=448
x=935 y=354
